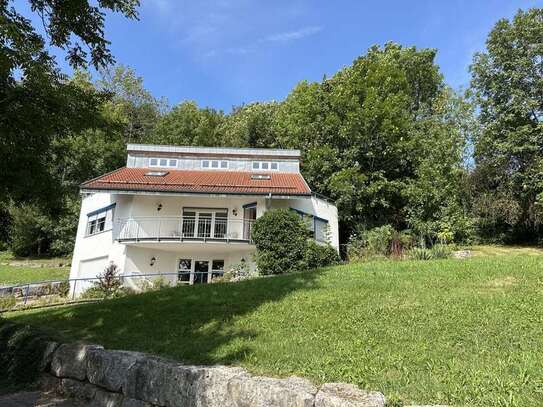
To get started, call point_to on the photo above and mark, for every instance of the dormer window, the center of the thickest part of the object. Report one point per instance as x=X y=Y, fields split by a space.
x=215 y=164
x=163 y=162
x=265 y=165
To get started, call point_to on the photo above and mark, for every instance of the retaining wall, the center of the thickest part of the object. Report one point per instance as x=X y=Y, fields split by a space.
x=129 y=379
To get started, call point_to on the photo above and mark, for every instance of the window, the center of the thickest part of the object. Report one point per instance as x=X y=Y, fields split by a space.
x=217 y=268
x=260 y=176
x=156 y=173
x=215 y=164
x=265 y=165
x=100 y=220
x=183 y=272
x=317 y=225
x=163 y=162
x=321 y=230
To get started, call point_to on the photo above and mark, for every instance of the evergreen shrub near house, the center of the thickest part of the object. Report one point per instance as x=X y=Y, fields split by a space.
x=284 y=244
x=320 y=255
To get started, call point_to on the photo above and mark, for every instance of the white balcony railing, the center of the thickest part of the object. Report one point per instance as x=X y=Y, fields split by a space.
x=183 y=228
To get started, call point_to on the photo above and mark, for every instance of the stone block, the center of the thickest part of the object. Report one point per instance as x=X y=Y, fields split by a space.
x=347 y=395
x=111 y=369
x=264 y=391
x=70 y=360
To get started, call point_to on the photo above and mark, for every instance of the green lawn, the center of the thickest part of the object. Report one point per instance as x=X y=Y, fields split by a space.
x=459 y=332
x=23 y=270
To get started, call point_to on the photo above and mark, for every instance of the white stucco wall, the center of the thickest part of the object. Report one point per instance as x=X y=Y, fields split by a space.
x=316 y=207
x=93 y=253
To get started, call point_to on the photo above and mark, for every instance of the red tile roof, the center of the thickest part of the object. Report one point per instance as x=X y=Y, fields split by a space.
x=189 y=181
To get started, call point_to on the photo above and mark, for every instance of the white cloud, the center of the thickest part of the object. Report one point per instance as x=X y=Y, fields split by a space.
x=293 y=35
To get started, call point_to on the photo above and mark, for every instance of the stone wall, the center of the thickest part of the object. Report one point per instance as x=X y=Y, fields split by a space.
x=129 y=379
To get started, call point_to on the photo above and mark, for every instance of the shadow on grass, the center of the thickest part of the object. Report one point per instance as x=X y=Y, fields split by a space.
x=193 y=324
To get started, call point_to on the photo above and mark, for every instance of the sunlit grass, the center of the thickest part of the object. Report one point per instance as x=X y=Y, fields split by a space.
x=458 y=332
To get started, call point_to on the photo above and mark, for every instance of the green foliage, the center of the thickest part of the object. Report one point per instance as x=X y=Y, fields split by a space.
x=280 y=237
x=251 y=125
x=109 y=281
x=30 y=229
x=420 y=253
x=186 y=124
x=440 y=251
x=21 y=354
x=382 y=241
x=459 y=327
x=320 y=255
x=506 y=85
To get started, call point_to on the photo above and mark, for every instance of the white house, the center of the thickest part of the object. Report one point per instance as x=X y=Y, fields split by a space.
x=187 y=212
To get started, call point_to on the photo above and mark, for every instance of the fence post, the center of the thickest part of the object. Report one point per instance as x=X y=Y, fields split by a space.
x=73 y=293
x=26 y=294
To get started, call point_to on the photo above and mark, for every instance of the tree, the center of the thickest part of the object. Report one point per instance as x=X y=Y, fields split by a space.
x=36 y=101
x=187 y=124
x=251 y=125
x=507 y=85
x=359 y=132
x=131 y=105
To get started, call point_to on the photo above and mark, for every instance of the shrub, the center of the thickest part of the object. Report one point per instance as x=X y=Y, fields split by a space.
x=440 y=251
x=109 y=281
x=320 y=255
x=420 y=253
x=21 y=354
x=382 y=241
x=280 y=237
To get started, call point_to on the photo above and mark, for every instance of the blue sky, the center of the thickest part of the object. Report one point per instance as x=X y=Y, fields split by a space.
x=222 y=53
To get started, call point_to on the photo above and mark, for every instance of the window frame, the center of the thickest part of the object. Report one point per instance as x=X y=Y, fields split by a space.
x=170 y=162
x=214 y=164
x=259 y=165
x=100 y=221
x=311 y=221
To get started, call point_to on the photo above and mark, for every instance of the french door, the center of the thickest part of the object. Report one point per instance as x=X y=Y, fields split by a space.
x=205 y=223
x=249 y=216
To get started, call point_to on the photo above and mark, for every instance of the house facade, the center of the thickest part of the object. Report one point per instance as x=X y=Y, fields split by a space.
x=187 y=212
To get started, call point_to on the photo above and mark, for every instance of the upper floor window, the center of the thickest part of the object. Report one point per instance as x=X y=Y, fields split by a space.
x=265 y=165
x=100 y=220
x=215 y=164
x=163 y=162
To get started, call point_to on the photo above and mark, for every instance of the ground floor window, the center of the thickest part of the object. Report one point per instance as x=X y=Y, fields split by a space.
x=193 y=271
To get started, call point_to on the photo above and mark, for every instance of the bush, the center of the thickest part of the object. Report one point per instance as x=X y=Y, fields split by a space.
x=319 y=255
x=109 y=281
x=280 y=237
x=21 y=354
x=440 y=251
x=382 y=241
x=420 y=253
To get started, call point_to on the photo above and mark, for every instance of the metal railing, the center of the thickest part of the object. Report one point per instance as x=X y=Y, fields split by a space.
x=185 y=227
x=57 y=292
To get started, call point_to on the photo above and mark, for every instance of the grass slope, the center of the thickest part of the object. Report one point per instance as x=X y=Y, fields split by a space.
x=459 y=332
x=23 y=270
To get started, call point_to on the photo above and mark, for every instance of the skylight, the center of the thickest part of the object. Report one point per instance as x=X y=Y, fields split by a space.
x=260 y=176
x=156 y=173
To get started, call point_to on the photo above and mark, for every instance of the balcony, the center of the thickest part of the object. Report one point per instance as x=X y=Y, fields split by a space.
x=184 y=228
